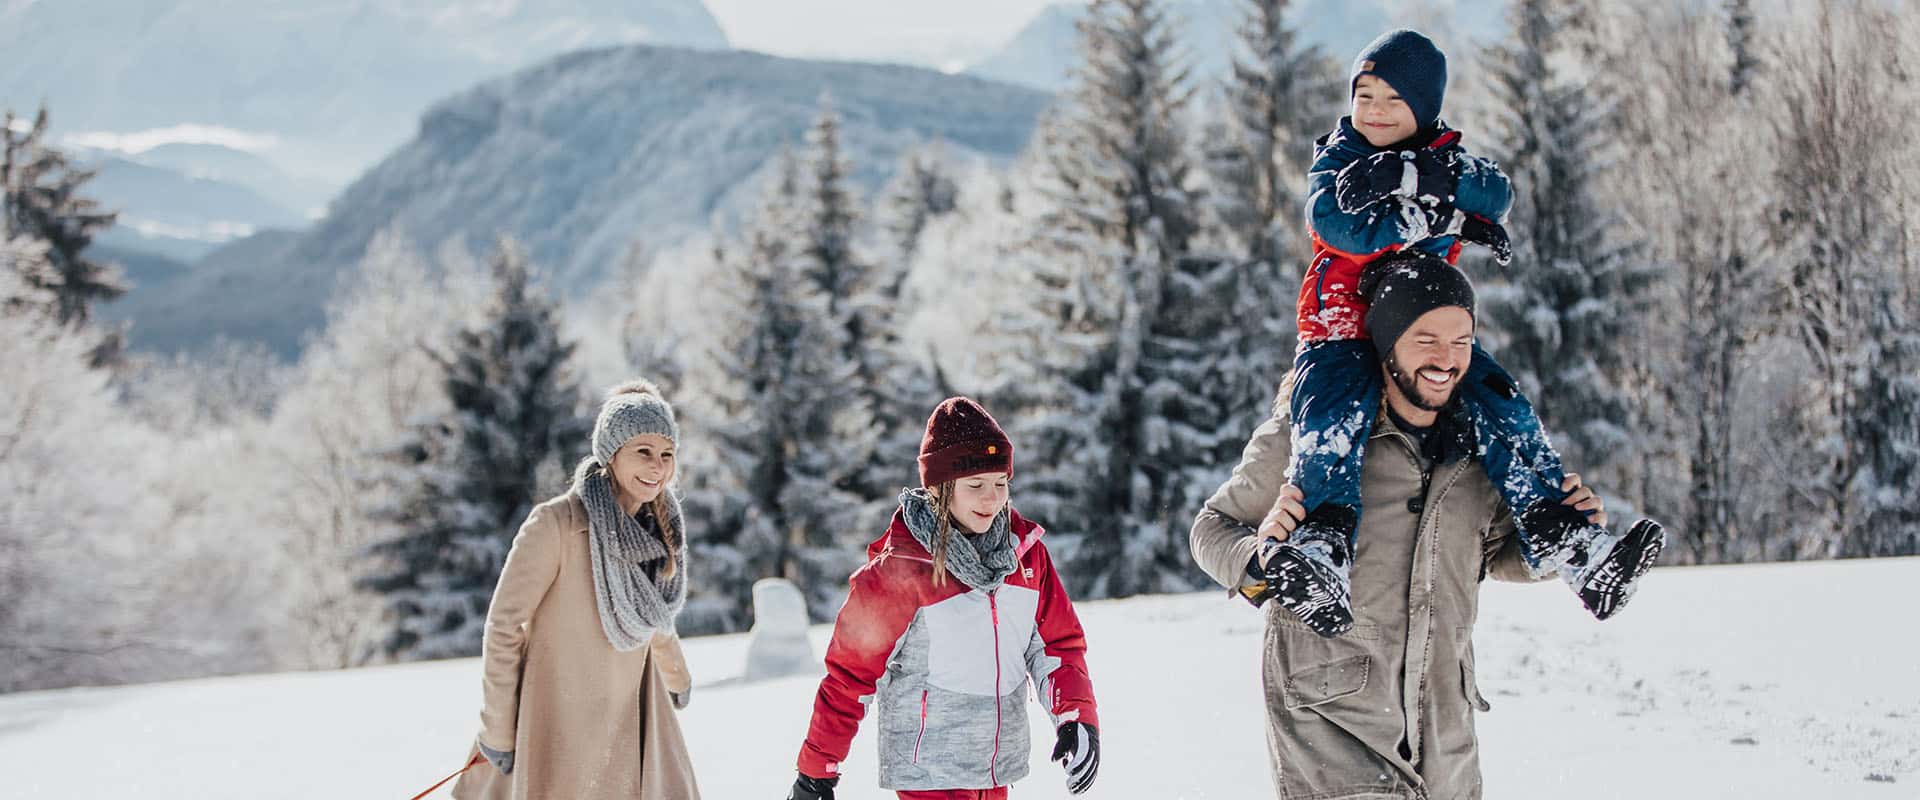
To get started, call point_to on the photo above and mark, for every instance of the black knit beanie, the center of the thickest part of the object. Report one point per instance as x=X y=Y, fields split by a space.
x=1402 y=286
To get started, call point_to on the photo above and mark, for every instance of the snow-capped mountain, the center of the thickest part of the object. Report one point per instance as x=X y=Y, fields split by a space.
x=582 y=156
x=336 y=83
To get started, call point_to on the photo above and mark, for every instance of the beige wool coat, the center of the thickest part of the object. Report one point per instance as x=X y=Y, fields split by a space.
x=585 y=721
x=1387 y=709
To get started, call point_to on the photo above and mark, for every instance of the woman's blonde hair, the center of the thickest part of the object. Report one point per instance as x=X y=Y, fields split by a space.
x=669 y=536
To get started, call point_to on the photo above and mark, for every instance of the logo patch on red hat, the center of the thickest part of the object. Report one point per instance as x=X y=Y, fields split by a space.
x=976 y=464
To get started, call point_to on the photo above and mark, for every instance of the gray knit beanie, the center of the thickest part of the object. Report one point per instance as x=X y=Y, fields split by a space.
x=631 y=409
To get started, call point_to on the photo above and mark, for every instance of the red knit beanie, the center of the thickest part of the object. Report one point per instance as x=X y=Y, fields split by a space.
x=962 y=439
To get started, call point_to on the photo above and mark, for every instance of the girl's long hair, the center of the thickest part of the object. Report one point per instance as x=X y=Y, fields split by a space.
x=942 y=531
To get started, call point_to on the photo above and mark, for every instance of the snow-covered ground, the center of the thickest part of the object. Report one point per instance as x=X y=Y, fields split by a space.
x=1777 y=681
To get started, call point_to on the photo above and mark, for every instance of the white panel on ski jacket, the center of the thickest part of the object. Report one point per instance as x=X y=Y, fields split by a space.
x=949 y=667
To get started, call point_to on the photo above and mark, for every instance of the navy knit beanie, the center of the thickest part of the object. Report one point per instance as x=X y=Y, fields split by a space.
x=1412 y=65
x=1403 y=286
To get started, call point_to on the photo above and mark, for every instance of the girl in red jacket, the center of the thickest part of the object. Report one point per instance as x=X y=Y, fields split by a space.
x=956 y=610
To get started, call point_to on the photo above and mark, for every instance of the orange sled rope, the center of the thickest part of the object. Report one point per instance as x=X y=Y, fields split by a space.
x=477 y=758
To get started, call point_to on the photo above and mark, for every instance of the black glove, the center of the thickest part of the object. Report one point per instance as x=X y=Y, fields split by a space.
x=1386 y=173
x=681 y=699
x=1078 y=751
x=1489 y=234
x=501 y=761
x=807 y=787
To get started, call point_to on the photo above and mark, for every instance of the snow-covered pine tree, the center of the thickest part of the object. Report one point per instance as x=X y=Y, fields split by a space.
x=105 y=579
x=922 y=188
x=357 y=387
x=1101 y=402
x=467 y=479
x=1741 y=41
x=40 y=199
x=1843 y=183
x=728 y=536
x=25 y=274
x=785 y=434
x=1688 y=387
x=1889 y=520
x=1281 y=94
x=1219 y=355
x=1577 y=282
x=853 y=284
x=52 y=519
x=652 y=347
x=1725 y=260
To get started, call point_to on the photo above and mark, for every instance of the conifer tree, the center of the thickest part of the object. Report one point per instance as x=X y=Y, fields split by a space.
x=467 y=479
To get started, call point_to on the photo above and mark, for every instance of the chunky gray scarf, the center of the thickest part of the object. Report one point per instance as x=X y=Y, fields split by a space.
x=626 y=553
x=982 y=562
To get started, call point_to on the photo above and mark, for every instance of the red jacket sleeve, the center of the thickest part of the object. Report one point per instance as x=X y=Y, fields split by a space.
x=1069 y=688
x=875 y=616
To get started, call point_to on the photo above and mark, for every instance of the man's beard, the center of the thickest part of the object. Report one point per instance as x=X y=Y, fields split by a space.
x=1409 y=383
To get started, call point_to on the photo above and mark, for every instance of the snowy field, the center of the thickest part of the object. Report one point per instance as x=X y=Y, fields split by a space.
x=1775 y=681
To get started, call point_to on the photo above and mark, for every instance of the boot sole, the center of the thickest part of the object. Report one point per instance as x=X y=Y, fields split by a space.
x=1303 y=593
x=1609 y=589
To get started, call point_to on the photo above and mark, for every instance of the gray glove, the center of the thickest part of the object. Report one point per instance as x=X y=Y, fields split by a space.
x=500 y=761
x=681 y=699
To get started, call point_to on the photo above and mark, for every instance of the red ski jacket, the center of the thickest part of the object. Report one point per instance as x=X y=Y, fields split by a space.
x=949 y=666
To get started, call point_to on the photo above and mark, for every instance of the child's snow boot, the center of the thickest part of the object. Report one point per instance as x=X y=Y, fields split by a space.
x=1609 y=583
x=1602 y=567
x=1310 y=573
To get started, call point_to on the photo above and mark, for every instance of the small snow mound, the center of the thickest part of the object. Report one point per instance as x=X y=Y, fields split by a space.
x=778 y=644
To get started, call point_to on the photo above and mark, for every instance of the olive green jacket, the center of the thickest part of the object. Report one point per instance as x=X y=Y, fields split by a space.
x=1386 y=710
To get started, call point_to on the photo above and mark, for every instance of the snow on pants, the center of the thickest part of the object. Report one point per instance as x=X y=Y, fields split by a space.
x=995 y=793
x=1336 y=393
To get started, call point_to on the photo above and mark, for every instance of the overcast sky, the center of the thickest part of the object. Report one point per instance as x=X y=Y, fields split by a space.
x=931 y=32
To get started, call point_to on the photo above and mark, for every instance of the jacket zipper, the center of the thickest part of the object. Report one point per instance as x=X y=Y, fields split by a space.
x=993 y=605
x=1320 y=283
x=923 y=727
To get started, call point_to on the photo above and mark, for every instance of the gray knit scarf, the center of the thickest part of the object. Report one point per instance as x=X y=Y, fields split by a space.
x=627 y=555
x=982 y=562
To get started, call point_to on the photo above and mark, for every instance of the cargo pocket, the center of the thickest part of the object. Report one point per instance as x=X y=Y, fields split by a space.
x=1327 y=682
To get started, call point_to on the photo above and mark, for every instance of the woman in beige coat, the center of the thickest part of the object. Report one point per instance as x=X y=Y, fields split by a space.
x=583 y=670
